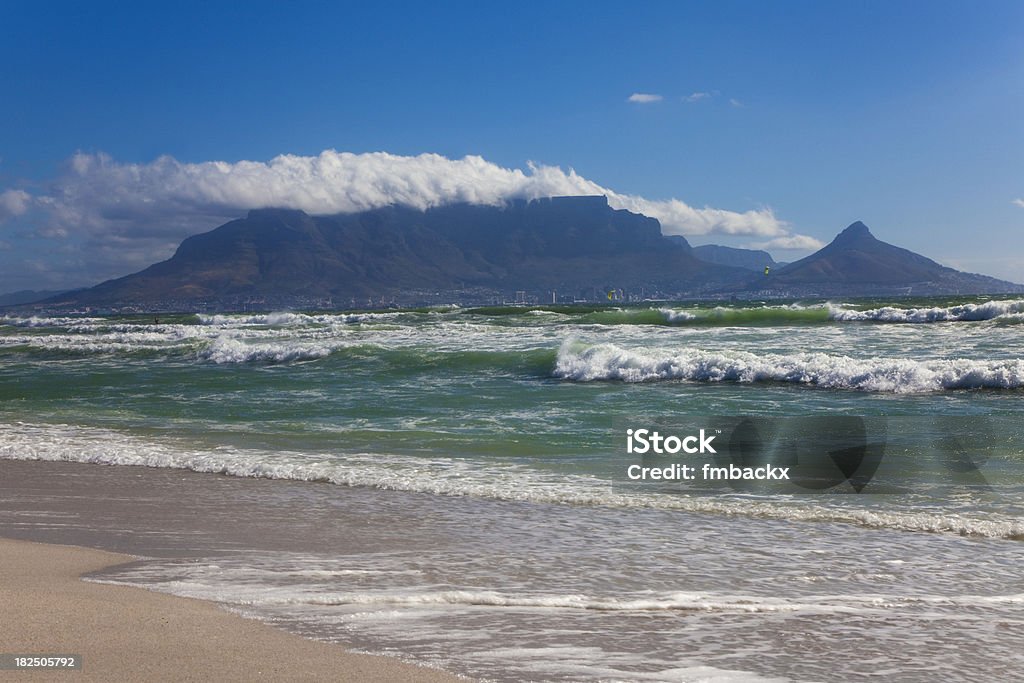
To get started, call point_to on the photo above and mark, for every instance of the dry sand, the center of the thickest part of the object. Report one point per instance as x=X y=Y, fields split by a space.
x=130 y=634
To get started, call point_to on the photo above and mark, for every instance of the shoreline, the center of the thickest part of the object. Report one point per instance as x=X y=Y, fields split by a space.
x=494 y=590
x=127 y=633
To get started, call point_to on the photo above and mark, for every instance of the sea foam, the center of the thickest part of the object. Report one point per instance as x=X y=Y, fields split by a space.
x=583 y=363
x=988 y=310
x=454 y=477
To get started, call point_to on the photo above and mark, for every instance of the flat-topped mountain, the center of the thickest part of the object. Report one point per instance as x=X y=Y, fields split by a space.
x=565 y=247
x=566 y=244
x=856 y=262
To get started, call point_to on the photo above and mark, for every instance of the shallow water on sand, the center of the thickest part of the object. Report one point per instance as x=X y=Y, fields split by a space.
x=521 y=591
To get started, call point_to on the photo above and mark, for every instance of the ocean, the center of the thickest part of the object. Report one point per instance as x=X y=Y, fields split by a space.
x=450 y=485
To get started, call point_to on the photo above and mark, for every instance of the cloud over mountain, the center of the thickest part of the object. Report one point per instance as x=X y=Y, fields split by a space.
x=97 y=193
x=144 y=209
x=794 y=242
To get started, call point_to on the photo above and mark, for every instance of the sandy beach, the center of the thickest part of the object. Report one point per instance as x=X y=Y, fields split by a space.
x=127 y=633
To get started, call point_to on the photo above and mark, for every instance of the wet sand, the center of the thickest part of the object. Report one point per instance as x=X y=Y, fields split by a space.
x=125 y=633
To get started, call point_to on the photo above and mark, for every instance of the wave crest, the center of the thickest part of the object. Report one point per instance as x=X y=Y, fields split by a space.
x=449 y=477
x=583 y=363
x=231 y=350
x=286 y=319
x=988 y=310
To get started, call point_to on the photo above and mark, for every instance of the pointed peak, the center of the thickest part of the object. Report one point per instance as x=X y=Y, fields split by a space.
x=855 y=233
x=856 y=229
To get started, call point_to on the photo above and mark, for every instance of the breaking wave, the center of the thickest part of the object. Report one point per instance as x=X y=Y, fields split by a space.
x=285 y=319
x=46 y=321
x=790 y=314
x=988 y=310
x=582 y=363
x=793 y=314
x=230 y=350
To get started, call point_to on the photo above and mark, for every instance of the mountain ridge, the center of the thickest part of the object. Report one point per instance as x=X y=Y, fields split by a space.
x=751 y=259
x=574 y=244
x=576 y=248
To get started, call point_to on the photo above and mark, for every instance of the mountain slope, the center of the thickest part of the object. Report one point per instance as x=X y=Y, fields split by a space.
x=855 y=262
x=568 y=244
x=27 y=296
x=751 y=259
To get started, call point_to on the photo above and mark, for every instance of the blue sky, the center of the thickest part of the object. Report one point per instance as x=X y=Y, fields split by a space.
x=777 y=123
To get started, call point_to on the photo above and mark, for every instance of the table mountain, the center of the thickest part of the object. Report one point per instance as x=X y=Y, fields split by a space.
x=567 y=244
x=573 y=246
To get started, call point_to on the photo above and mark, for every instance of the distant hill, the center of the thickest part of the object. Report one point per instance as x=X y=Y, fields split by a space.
x=751 y=259
x=856 y=263
x=573 y=245
x=27 y=296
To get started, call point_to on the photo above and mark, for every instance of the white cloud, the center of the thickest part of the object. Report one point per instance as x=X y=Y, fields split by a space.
x=643 y=98
x=1019 y=202
x=122 y=216
x=795 y=242
x=166 y=197
x=697 y=97
x=736 y=103
x=14 y=203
